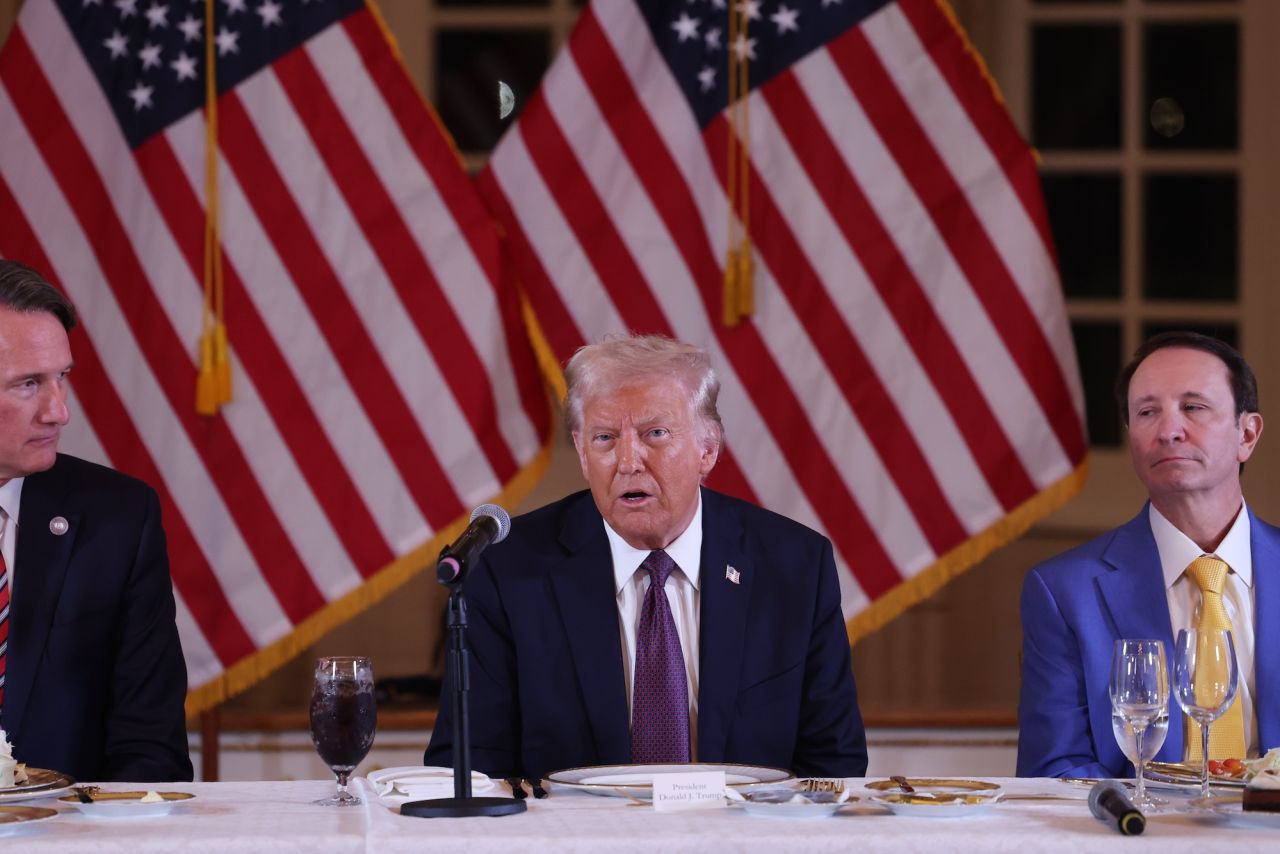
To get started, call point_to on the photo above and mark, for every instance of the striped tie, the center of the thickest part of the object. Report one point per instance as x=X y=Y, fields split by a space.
x=4 y=605
x=1226 y=736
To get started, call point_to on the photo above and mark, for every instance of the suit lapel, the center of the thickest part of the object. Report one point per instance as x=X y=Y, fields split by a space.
x=723 y=622
x=1138 y=604
x=41 y=560
x=584 y=589
x=1265 y=545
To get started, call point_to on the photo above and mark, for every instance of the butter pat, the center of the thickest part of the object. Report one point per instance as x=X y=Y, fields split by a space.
x=151 y=798
x=8 y=765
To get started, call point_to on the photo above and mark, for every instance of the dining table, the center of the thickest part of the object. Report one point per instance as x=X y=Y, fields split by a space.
x=1032 y=815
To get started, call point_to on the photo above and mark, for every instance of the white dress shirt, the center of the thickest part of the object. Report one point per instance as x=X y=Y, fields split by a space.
x=1177 y=551
x=10 y=501
x=632 y=583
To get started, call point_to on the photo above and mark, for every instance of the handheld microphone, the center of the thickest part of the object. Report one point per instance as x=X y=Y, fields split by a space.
x=489 y=524
x=1108 y=802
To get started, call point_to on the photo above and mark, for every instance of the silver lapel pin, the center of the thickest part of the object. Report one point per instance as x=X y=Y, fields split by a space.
x=732 y=574
x=58 y=526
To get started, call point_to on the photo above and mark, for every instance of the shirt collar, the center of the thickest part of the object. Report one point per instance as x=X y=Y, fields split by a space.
x=685 y=550
x=1177 y=550
x=11 y=498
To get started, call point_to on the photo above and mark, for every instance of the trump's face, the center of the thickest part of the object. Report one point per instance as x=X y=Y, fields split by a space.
x=35 y=358
x=1184 y=435
x=644 y=456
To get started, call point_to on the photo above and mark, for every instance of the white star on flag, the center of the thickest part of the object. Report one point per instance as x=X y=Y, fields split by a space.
x=743 y=46
x=227 y=41
x=707 y=77
x=190 y=28
x=185 y=66
x=157 y=16
x=712 y=38
x=117 y=44
x=786 y=19
x=686 y=27
x=127 y=7
x=269 y=12
x=150 y=55
x=88 y=3
x=751 y=8
x=141 y=95
x=234 y=6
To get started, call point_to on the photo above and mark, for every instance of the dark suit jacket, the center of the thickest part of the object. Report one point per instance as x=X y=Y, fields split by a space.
x=1077 y=605
x=96 y=679
x=547 y=688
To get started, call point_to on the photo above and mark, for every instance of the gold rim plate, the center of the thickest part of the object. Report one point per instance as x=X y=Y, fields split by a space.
x=937 y=786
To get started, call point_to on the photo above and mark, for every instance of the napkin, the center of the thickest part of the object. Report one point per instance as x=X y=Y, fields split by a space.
x=395 y=786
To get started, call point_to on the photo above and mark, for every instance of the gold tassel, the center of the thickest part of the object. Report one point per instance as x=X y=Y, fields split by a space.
x=206 y=383
x=729 y=304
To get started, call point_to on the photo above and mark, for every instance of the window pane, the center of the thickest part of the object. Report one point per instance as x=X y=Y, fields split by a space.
x=1222 y=331
x=1085 y=212
x=469 y=64
x=1098 y=353
x=1076 y=86
x=1192 y=77
x=1191 y=238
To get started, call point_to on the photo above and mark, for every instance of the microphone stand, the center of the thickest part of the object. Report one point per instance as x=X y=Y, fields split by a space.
x=462 y=804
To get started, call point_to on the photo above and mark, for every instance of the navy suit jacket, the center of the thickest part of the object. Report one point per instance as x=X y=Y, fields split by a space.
x=1077 y=605
x=547 y=688
x=95 y=678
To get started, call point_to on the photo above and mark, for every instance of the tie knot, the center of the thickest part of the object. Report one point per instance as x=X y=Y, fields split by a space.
x=659 y=565
x=1209 y=573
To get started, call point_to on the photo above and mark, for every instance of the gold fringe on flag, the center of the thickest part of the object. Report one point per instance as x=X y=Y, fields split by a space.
x=738 y=299
x=213 y=382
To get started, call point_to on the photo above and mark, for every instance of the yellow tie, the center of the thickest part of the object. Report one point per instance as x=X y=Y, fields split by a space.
x=1226 y=736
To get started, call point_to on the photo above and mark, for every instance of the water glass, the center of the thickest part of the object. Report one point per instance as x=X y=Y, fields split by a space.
x=1139 y=702
x=1205 y=678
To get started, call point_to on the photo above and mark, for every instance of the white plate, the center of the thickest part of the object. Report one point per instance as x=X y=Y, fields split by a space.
x=636 y=781
x=967 y=805
x=410 y=782
x=127 y=804
x=40 y=784
x=17 y=819
x=1231 y=807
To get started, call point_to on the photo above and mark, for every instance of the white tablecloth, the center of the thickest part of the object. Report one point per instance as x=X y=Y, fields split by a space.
x=279 y=816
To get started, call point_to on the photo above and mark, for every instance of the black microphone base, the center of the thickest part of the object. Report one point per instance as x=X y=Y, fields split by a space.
x=462 y=807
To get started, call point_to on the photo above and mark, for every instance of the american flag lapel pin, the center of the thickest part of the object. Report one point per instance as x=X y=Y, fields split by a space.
x=732 y=574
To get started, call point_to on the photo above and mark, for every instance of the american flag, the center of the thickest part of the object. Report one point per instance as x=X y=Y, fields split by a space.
x=906 y=382
x=383 y=381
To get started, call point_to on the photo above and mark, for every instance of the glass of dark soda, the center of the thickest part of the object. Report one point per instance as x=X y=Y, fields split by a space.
x=344 y=719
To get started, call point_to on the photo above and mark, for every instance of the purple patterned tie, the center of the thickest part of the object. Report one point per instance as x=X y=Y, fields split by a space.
x=660 y=699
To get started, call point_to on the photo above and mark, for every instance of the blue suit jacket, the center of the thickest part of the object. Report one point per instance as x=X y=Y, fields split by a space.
x=547 y=688
x=95 y=678
x=1076 y=606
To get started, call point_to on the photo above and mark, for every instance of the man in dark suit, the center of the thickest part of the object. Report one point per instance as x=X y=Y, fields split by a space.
x=651 y=619
x=92 y=679
x=1190 y=404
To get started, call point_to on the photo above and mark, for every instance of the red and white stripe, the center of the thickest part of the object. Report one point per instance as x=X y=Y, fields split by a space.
x=907 y=378
x=383 y=383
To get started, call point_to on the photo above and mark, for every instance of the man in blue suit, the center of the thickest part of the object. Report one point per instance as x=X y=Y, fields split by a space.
x=569 y=633
x=92 y=679
x=1190 y=404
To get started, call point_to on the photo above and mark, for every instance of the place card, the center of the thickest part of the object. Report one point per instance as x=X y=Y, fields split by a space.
x=697 y=790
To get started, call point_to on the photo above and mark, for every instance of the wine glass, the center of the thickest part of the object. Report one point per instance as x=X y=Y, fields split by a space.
x=1205 y=678
x=1140 y=705
x=344 y=719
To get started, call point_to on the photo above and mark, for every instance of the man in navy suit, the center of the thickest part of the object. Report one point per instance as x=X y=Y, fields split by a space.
x=1190 y=404
x=92 y=679
x=561 y=612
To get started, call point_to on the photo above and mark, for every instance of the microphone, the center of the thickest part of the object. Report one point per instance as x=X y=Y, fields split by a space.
x=489 y=524
x=1108 y=802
